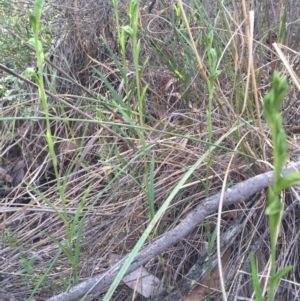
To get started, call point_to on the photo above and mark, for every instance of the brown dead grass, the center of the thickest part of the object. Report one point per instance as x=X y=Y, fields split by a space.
x=120 y=215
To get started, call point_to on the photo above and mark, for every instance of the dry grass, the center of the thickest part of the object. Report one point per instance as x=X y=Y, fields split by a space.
x=109 y=158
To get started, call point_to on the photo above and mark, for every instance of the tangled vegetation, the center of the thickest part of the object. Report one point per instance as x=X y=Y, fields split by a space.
x=135 y=137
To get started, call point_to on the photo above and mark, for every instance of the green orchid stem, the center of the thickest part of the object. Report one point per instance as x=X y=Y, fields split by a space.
x=272 y=105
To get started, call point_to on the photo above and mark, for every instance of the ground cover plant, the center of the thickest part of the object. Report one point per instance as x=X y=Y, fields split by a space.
x=136 y=136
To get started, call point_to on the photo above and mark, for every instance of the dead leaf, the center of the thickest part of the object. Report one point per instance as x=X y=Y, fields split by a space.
x=140 y=280
x=68 y=148
x=4 y=175
x=18 y=172
x=201 y=290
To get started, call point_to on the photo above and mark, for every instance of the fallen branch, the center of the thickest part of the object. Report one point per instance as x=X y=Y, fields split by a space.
x=236 y=194
x=202 y=271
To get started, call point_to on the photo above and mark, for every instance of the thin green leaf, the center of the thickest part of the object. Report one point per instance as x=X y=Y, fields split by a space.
x=288 y=180
x=128 y=30
x=276 y=279
x=255 y=279
x=151 y=188
x=33 y=21
x=61 y=246
x=276 y=206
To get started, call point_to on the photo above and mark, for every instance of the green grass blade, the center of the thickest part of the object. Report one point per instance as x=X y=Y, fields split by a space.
x=255 y=280
x=158 y=215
